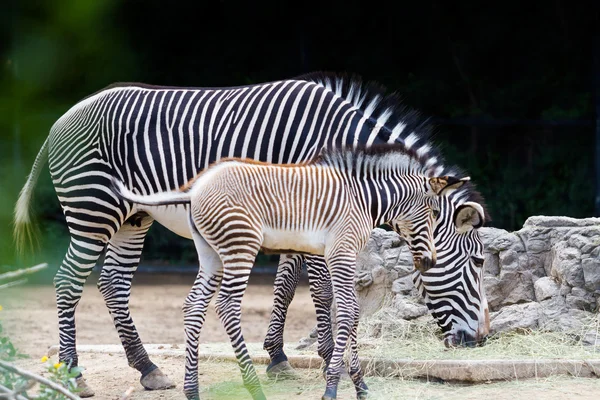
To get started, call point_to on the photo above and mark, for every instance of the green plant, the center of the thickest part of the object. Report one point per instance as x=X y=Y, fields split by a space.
x=20 y=384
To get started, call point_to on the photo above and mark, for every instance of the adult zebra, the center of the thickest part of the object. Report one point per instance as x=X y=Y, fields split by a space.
x=156 y=138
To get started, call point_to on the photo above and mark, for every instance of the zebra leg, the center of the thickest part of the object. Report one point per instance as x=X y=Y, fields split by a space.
x=341 y=267
x=81 y=257
x=238 y=259
x=120 y=263
x=286 y=281
x=206 y=284
x=228 y=307
x=322 y=295
x=356 y=373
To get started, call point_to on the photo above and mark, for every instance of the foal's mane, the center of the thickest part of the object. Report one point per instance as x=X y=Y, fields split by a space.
x=401 y=126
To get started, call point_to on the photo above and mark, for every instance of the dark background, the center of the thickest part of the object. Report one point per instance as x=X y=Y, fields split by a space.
x=510 y=85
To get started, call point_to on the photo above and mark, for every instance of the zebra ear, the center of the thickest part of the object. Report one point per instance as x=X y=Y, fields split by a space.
x=444 y=185
x=469 y=215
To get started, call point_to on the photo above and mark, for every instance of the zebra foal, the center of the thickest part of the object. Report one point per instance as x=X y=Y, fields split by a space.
x=326 y=207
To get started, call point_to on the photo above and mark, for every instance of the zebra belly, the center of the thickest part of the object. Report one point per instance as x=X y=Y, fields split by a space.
x=305 y=242
x=174 y=218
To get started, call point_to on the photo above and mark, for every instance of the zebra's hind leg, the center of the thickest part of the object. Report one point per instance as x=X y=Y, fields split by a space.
x=286 y=282
x=206 y=284
x=238 y=258
x=120 y=263
x=81 y=257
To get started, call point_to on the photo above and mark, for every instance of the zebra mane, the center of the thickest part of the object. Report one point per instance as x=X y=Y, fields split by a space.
x=401 y=126
x=382 y=154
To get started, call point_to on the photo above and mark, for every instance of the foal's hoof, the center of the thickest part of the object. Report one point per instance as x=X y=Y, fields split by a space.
x=84 y=389
x=156 y=380
x=282 y=370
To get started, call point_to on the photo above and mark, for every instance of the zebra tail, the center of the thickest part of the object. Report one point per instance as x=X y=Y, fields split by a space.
x=153 y=200
x=25 y=233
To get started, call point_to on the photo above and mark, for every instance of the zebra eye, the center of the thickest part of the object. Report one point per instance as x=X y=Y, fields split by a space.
x=478 y=262
x=436 y=213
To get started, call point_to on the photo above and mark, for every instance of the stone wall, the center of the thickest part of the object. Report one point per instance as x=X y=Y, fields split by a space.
x=546 y=275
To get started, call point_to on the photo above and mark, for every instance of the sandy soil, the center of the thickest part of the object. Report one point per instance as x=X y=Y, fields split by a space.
x=29 y=314
x=29 y=317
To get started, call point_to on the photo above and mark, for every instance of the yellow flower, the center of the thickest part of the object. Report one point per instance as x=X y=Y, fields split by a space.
x=44 y=359
x=1 y=308
x=58 y=365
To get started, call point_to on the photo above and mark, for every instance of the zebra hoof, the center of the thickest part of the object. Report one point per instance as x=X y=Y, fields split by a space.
x=282 y=371
x=83 y=389
x=156 y=380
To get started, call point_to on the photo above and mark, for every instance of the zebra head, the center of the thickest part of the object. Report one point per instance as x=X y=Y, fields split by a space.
x=416 y=224
x=453 y=288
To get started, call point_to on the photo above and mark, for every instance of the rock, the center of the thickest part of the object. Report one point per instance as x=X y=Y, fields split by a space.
x=403 y=285
x=554 y=307
x=565 y=289
x=591 y=338
x=505 y=242
x=546 y=275
x=578 y=302
x=545 y=288
x=566 y=264
x=517 y=316
x=407 y=309
x=573 y=322
x=591 y=273
x=560 y=222
x=581 y=299
x=488 y=235
x=491 y=264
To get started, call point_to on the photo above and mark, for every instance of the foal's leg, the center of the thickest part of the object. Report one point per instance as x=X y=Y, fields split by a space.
x=286 y=282
x=120 y=263
x=322 y=295
x=238 y=258
x=207 y=282
x=342 y=268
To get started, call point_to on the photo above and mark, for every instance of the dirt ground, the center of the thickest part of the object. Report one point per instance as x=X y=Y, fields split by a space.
x=29 y=317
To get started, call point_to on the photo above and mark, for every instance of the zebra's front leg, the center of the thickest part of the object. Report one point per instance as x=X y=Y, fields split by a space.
x=356 y=373
x=342 y=270
x=286 y=282
x=322 y=296
x=120 y=264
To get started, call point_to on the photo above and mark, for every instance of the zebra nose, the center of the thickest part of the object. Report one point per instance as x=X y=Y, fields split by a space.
x=424 y=264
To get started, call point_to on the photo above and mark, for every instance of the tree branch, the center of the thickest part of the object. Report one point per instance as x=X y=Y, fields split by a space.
x=39 y=379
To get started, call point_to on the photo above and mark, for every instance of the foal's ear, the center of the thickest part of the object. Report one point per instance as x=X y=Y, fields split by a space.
x=444 y=185
x=469 y=215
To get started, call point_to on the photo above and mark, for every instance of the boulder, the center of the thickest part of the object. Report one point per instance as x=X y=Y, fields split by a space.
x=545 y=288
x=546 y=275
x=516 y=317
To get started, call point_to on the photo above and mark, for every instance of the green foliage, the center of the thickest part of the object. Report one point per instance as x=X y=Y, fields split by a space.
x=59 y=373
x=8 y=352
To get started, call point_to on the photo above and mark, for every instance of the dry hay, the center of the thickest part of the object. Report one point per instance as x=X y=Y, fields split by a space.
x=382 y=335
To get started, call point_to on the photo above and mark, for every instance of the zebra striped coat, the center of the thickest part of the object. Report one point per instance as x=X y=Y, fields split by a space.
x=157 y=138
x=327 y=207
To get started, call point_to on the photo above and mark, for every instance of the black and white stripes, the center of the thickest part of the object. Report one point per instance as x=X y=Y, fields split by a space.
x=155 y=139
x=327 y=207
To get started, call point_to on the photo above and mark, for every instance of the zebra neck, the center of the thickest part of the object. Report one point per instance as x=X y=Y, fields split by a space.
x=376 y=196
